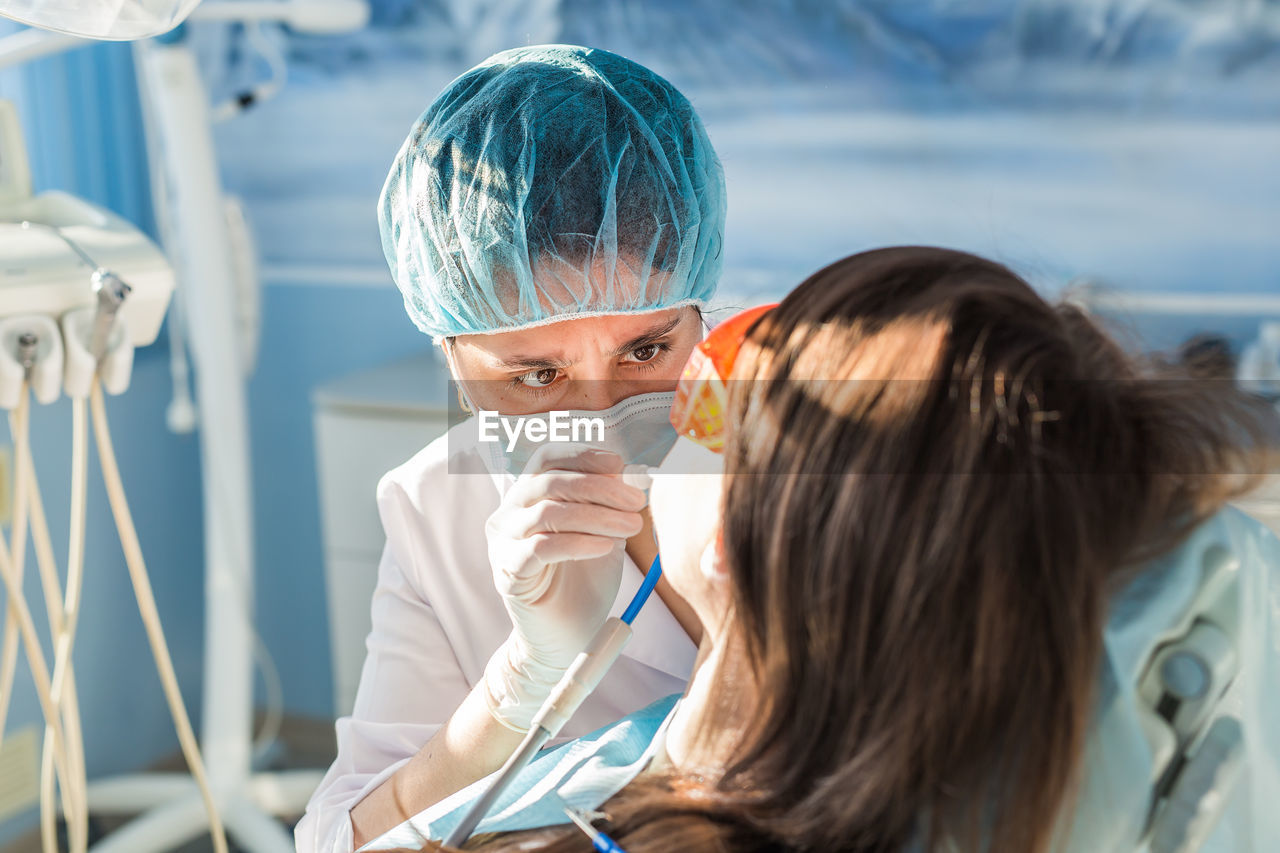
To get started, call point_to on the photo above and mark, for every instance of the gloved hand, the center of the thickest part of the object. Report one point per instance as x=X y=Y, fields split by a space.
x=556 y=548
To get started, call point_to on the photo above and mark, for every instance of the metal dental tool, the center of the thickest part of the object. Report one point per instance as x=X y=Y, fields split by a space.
x=600 y=841
x=28 y=345
x=111 y=291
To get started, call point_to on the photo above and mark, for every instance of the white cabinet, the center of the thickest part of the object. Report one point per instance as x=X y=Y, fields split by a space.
x=366 y=424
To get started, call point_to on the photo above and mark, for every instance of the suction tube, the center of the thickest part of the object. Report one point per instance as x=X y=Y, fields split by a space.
x=651 y=579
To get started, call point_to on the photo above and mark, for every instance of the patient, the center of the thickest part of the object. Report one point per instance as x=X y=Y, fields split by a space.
x=935 y=483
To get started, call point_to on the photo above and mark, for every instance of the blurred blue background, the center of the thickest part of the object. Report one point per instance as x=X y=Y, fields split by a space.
x=1128 y=144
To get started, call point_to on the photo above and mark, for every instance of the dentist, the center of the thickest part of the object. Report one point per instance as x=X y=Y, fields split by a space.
x=555 y=222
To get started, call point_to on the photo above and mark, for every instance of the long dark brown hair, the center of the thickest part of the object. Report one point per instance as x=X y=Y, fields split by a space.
x=935 y=478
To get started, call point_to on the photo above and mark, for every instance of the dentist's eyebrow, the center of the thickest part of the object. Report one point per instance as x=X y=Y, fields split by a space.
x=527 y=363
x=650 y=337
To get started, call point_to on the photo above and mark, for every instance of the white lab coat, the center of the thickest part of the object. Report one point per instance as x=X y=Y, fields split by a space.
x=436 y=621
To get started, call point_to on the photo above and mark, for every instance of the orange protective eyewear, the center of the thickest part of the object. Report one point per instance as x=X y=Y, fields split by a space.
x=701 y=394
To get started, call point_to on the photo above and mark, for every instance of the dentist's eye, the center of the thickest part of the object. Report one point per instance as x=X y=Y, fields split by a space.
x=648 y=352
x=538 y=378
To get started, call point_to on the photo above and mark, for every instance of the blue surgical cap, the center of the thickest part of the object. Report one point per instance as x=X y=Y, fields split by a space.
x=549 y=183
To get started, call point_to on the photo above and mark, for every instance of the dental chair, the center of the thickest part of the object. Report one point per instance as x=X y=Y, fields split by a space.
x=1184 y=754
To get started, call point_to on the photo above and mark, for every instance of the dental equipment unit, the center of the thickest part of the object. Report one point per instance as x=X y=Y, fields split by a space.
x=81 y=289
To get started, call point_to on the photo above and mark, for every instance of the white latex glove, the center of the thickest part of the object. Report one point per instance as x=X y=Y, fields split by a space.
x=556 y=545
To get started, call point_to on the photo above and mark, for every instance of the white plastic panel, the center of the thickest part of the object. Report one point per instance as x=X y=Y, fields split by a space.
x=44 y=275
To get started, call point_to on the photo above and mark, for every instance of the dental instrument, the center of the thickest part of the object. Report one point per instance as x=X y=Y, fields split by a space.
x=582 y=677
x=599 y=841
x=111 y=291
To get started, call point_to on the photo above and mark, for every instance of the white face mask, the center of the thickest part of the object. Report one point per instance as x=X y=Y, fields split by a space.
x=638 y=429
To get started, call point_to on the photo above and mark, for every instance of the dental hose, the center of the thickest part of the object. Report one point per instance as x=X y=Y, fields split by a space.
x=150 y=614
x=64 y=630
x=62 y=751
x=18 y=612
x=578 y=682
x=63 y=615
x=9 y=646
x=642 y=594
